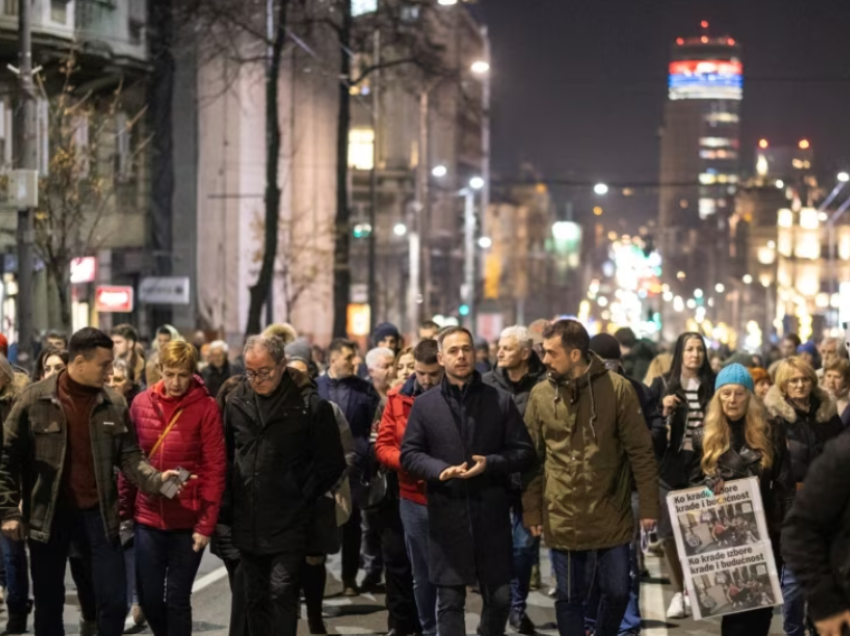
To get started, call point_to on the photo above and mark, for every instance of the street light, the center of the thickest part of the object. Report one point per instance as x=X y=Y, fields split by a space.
x=720 y=288
x=485 y=242
x=843 y=177
x=601 y=189
x=476 y=183
x=439 y=171
x=399 y=229
x=748 y=280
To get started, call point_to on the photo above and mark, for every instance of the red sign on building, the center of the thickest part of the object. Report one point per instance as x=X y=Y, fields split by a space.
x=108 y=299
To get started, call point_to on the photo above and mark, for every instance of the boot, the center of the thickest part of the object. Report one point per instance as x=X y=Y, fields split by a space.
x=17 y=624
x=88 y=628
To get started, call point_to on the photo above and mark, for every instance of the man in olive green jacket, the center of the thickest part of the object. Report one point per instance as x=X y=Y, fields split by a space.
x=63 y=441
x=591 y=439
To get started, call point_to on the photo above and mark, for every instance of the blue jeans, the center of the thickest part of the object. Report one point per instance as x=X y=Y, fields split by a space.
x=526 y=552
x=16 y=580
x=794 y=607
x=414 y=518
x=575 y=580
x=48 y=560
x=166 y=566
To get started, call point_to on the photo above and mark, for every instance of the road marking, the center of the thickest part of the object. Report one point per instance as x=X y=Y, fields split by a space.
x=200 y=584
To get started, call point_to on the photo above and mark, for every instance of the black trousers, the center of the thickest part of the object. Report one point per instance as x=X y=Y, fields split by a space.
x=401 y=603
x=351 y=535
x=238 y=611
x=753 y=623
x=451 y=604
x=272 y=584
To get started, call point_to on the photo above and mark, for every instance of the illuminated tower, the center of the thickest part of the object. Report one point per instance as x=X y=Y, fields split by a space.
x=700 y=155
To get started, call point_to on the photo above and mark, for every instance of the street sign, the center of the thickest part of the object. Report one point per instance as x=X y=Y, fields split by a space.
x=109 y=299
x=167 y=290
x=23 y=189
x=83 y=269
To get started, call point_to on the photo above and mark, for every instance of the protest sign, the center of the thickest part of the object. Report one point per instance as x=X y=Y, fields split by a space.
x=724 y=548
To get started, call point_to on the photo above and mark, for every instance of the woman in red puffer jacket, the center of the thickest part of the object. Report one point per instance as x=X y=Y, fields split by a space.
x=179 y=426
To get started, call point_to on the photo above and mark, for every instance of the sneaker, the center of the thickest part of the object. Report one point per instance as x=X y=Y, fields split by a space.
x=677 y=606
x=522 y=623
x=553 y=592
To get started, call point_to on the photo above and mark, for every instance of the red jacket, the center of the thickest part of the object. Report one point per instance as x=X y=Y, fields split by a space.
x=196 y=443
x=391 y=432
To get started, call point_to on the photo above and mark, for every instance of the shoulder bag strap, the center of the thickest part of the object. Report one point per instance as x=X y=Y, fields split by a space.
x=165 y=433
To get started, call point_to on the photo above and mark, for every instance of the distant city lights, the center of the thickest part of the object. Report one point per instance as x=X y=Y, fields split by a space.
x=485 y=242
x=780 y=184
x=843 y=177
x=601 y=189
x=399 y=229
x=720 y=288
x=804 y=144
x=439 y=171
x=763 y=143
x=748 y=280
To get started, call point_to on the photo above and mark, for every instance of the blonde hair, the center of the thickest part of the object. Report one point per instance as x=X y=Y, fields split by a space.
x=659 y=366
x=787 y=369
x=716 y=436
x=177 y=354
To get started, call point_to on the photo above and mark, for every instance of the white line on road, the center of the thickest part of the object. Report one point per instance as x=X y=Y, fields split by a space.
x=200 y=584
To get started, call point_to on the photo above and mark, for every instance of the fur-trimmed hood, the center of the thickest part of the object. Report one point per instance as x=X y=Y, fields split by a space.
x=777 y=406
x=20 y=381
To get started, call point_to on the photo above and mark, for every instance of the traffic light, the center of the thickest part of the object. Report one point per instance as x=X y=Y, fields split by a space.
x=463 y=310
x=362 y=230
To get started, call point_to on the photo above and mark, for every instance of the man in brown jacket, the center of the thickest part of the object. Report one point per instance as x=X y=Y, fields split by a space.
x=62 y=442
x=591 y=437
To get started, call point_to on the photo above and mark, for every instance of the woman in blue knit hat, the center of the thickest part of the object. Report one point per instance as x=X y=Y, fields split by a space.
x=737 y=441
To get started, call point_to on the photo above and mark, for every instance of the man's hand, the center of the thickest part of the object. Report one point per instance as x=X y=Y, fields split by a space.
x=647 y=525
x=201 y=542
x=831 y=626
x=479 y=467
x=536 y=531
x=13 y=530
x=452 y=472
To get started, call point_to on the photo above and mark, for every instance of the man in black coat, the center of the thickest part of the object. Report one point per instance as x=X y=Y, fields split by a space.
x=519 y=370
x=465 y=439
x=359 y=402
x=220 y=369
x=284 y=453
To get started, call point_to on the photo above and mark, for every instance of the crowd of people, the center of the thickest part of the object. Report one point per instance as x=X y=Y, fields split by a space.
x=434 y=468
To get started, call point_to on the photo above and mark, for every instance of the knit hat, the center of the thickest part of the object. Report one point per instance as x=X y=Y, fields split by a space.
x=299 y=350
x=606 y=346
x=734 y=374
x=385 y=330
x=759 y=375
x=808 y=347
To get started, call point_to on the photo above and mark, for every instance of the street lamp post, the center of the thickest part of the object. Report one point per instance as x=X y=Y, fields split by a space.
x=468 y=289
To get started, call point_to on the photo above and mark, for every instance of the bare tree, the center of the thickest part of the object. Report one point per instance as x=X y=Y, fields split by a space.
x=91 y=150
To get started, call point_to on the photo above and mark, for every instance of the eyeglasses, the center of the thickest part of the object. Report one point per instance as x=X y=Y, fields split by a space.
x=262 y=375
x=800 y=381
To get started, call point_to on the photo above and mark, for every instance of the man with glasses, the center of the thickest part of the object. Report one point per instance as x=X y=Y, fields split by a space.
x=284 y=453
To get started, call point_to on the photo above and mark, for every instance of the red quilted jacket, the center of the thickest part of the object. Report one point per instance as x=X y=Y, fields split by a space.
x=390 y=434
x=196 y=443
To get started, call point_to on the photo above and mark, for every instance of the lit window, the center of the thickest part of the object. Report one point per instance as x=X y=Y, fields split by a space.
x=809 y=219
x=709 y=154
x=715 y=142
x=707 y=207
x=707 y=178
x=785 y=218
x=808 y=246
x=360 y=7
x=361 y=148
x=722 y=118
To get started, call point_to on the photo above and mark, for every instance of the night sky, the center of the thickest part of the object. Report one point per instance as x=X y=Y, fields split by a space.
x=579 y=85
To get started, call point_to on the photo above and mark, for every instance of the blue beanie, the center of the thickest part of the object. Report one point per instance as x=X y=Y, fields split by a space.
x=734 y=374
x=808 y=347
x=385 y=330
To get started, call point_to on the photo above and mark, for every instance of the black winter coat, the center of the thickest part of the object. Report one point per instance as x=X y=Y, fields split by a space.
x=776 y=484
x=676 y=465
x=359 y=402
x=278 y=469
x=807 y=433
x=520 y=391
x=469 y=519
x=816 y=536
x=215 y=378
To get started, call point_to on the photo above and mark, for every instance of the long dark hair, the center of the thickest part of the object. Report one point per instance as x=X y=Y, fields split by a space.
x=705 y=374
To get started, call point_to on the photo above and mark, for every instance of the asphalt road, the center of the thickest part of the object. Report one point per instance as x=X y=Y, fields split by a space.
x=366 y=614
